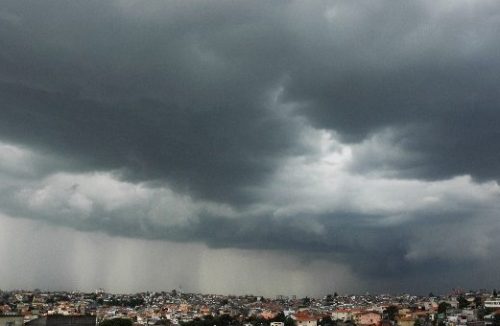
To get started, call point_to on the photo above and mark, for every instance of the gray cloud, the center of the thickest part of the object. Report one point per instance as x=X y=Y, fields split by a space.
x=177 y=95
x=89 y=261
x=425 y=69
x=349 y=133
x=185 y=89
x=382 y=228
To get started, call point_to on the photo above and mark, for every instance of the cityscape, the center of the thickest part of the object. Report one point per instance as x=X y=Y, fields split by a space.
x=44 y=308
x=249 y=162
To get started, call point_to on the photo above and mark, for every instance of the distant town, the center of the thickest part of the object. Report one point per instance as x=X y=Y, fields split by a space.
x=44 y=308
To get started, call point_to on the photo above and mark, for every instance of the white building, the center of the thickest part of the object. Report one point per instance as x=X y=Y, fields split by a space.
x=492 y=303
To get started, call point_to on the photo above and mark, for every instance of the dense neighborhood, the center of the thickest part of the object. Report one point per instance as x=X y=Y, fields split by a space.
x=43 y=308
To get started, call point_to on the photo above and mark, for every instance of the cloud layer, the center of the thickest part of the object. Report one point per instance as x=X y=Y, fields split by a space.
x=357 y=134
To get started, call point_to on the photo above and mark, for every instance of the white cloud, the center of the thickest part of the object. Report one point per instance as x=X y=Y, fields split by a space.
x=15 y=160
x=327 y=184
x=69 y=196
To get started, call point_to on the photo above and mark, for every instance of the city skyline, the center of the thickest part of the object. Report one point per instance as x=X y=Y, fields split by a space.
x=179 y=291
x=38 y=307
x=250 y=147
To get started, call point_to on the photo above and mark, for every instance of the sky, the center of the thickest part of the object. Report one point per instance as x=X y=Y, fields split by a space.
x=264 y=147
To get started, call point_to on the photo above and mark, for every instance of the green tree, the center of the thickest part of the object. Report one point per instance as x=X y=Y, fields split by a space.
x=442 y=307
x=279 y=317
x=481 y=312
x=222 y=320
x=116 y=322
x=391 y=312
x=327 y=321
x=462 y=302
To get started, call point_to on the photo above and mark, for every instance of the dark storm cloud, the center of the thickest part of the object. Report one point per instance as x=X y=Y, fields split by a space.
x=179 y=91
x=213 y=101
x=427 y=70
x=178 y=94
x=211 y=151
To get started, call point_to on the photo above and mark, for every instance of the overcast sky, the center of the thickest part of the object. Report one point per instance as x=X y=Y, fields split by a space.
x=266 y=147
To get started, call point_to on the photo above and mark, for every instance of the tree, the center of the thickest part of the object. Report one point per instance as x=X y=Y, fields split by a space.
x=280 y=317
x=116 y=322
x=225 y=320
x=478 y=301
x=481 y=312
x=442 y=307
x=417 y=322
x=496 y=320
x=391 y=312
x=327 y=321
x=222 y=320
x=462 y=302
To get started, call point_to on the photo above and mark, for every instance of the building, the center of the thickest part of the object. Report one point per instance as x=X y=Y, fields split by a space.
x=492 y=303
x=304 y=318
x=368 y=318
x=268 y=314
x=342 y=314
x=9 y=319
x=406 y=320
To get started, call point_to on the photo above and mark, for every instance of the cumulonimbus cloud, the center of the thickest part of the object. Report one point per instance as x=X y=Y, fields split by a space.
x=343 y=130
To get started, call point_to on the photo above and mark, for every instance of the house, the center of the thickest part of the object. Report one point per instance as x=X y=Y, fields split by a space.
x=341 y=314
x=305 y=318
x=492 y=303
x=490 y=319
x=406 y=320
x=269 y=314
x=368 y=318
